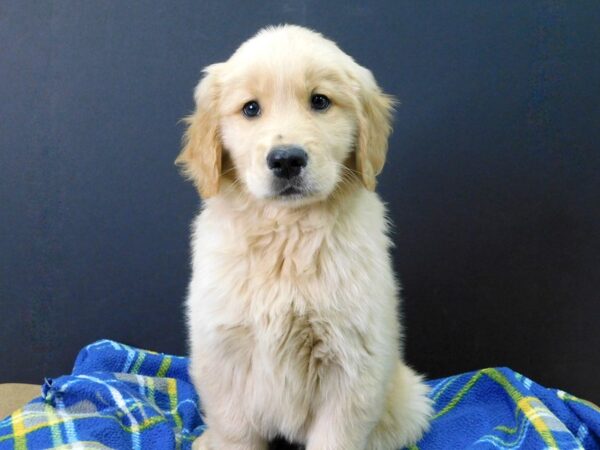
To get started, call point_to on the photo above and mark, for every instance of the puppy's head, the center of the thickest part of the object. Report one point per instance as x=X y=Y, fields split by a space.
x=288 y=118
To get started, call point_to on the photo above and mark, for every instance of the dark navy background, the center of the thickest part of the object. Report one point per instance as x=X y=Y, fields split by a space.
x=493 y=180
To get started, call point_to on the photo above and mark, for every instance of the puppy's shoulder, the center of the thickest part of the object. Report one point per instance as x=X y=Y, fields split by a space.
x=366 y=210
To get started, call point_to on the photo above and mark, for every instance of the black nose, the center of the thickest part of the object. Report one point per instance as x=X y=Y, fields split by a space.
x=287 y=162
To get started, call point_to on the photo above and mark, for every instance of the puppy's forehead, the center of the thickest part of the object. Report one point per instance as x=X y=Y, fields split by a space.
x=285 y=40
x=287 y=51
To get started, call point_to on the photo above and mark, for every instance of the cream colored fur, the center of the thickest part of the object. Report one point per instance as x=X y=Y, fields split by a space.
x=292 y=306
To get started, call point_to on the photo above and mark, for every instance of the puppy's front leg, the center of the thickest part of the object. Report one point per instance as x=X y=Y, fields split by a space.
x=339 y=428
x=213 y=441
x=348 y=413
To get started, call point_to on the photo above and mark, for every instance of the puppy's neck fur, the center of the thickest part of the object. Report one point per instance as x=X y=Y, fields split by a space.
x=282 y=241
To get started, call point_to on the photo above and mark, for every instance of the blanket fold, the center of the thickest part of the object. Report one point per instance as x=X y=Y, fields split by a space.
x=121 y=397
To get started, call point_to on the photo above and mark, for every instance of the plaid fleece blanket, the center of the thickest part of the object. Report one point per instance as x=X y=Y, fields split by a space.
x=120 y=397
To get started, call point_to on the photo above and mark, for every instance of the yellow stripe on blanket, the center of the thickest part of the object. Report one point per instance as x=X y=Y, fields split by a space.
x=541 y=419
x=19 y=430
x=172 y=390
x=164 y=366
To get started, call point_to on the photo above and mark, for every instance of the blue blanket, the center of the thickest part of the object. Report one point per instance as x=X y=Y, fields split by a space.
x=120 y=397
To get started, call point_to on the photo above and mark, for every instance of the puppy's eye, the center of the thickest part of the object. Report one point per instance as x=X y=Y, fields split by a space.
x=319 y=102
x=251 y=109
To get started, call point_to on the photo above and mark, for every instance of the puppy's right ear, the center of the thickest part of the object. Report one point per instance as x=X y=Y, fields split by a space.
x=200 y=158
x=374 y=127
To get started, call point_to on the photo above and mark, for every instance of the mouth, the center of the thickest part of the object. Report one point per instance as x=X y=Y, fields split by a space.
x=289 y=191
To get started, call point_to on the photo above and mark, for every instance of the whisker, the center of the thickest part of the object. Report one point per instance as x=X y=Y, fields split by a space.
x=231 y=169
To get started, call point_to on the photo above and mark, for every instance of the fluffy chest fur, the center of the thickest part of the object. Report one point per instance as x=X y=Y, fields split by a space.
x=281 y=300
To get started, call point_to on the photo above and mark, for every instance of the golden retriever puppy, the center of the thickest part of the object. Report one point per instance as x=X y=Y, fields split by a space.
x=292 y=303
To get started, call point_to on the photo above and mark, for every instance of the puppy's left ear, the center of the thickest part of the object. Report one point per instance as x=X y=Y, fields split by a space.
x=200 y=158
x=374 y=127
